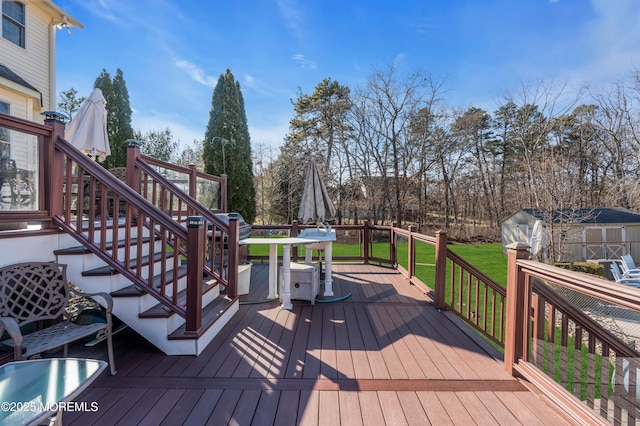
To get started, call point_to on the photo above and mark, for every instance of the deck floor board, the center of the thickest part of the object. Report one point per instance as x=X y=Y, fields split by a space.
x=384 y=355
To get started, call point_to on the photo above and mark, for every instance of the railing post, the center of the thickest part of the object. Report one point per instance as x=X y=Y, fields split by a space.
x=195 y=249
x=393 y=245
x=411 y=249
x=441 y=270
x=223 y=194
x=53 y=164
x=365 y=242
x=193 y=181
x=133 y=174
x=233 y=257
x=516 y=310
x=295 y=231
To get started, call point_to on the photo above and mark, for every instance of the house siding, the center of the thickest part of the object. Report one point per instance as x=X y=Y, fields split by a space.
x=30 y=63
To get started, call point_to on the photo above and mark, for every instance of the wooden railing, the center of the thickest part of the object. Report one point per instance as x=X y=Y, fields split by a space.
x=210 y=191
x=220 y=252
x=560 y=337
x=457 y=285
x=39 y=210
x=363 y=241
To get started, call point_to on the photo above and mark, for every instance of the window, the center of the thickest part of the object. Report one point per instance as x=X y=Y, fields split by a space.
x=13 y=22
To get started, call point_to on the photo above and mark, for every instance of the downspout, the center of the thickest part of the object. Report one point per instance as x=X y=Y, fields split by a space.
x=52 y=67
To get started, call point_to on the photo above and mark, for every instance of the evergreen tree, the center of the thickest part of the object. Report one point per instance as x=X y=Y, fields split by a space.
x=70 y=102
x=319 y=129
x=118 y=116
x=158 y=144
x=227 y=147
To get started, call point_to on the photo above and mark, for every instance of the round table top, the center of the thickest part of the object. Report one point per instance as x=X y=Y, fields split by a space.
x=285 y=240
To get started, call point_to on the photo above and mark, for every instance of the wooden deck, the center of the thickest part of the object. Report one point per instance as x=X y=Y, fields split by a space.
x=382 y=356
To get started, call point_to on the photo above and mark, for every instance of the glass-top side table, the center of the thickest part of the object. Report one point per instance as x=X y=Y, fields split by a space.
x=32 y=391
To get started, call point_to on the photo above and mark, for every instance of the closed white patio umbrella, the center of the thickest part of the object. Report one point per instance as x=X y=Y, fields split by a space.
x=88 y=129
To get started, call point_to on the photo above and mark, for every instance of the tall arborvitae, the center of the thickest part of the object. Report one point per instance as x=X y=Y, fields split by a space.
x=118 y=116
x=227 y=146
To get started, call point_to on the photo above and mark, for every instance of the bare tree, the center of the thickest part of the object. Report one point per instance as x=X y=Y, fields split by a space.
x=617 y=121
x=385 y=109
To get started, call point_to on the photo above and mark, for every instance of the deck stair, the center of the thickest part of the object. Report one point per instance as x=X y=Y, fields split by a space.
x=138 y=309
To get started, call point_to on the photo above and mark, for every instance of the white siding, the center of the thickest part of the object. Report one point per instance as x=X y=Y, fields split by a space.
x=30 y=63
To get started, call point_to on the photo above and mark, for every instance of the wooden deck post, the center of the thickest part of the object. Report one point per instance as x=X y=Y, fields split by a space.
x=411 y=245
x=365 y=242
x=133 y=174
x=441 y=269
x=516 y=310
x=53 y=164
x=393 y=246
x=195 y=249
x=234 y=257
x=193 y=181
x=295 y=231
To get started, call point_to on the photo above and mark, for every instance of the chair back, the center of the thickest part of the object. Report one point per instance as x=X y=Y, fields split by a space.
x=33 y=291
x=615 y=271
x=627 y=262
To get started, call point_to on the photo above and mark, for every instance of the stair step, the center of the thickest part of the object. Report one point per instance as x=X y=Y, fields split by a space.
x=135 y=291
x=161 y=311
x=109 y=246
x=210 y=314
x=108 y=270
x=129 y=291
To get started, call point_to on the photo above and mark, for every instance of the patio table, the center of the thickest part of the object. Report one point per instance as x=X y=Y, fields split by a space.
x=33 y=391
x=286 y=264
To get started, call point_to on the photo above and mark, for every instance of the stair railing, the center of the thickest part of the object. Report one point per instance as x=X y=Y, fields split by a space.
x=220 y=254
x=96 y=208
x=208 y=190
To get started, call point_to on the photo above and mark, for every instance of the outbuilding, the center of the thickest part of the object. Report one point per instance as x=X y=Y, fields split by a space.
x=575 y=235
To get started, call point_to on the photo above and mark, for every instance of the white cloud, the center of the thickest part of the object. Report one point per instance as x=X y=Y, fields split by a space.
x=613 y=42
x=292 y=15
x=196 y=73
x=109 y=10
x=304 y=62
x=154 y=120
x=251 y=82
x=269 y=135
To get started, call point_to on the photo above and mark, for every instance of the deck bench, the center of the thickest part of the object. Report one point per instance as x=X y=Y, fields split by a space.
x=39 y=291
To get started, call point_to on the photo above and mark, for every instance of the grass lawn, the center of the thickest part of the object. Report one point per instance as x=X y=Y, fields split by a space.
x=488 y=258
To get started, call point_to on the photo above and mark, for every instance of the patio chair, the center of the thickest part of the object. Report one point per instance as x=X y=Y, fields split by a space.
x=628 y=266
x=620 y=279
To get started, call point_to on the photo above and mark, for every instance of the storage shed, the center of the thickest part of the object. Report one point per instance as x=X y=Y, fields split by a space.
x=579 y=234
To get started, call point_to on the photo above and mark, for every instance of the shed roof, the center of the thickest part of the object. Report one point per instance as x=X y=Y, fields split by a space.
x=582 y=216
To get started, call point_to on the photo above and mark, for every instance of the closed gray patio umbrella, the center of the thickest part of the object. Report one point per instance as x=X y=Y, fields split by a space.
x=315 y=204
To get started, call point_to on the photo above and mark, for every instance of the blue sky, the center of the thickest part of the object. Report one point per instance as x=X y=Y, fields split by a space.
x=173 y=51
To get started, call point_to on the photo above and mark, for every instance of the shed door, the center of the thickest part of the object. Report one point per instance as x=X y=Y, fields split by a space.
x=603 y=242
x=614 y=238
x=593 y=244
x=522 y=233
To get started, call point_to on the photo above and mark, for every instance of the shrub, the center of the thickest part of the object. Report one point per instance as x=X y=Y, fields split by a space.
x=585 y=267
